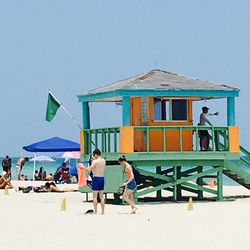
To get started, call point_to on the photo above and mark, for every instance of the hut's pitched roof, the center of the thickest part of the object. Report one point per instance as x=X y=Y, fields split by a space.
x=160 y=80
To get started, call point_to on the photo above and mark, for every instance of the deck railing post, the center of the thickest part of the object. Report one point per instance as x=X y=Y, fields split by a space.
x=164 y=140
x=180 y=128
x=115 y=141
x=213 y=140
x=196 y=138
x=148 y=142
x=109 y=146
x=96 y=139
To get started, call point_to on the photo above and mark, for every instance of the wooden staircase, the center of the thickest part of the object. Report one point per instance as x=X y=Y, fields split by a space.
x=235 y=172
x=236 y=178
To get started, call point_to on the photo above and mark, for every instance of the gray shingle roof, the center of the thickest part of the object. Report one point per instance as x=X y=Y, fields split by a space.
x=159 y=79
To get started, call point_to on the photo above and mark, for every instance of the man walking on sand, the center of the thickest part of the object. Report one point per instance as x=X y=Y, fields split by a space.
x=98 y=169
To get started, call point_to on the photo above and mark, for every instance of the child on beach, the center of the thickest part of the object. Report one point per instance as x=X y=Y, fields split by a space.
x=130 y=185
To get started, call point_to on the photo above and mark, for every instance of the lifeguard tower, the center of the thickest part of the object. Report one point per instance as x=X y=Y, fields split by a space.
x=157 y=130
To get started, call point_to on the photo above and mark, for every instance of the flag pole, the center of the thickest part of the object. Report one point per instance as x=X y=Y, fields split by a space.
x=69 y=114
x=66 y=111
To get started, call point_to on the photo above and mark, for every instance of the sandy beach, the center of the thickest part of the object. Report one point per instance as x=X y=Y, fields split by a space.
x=34 y=221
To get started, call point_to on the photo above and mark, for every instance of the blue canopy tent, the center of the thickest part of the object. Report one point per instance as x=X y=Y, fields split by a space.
x=54 y=144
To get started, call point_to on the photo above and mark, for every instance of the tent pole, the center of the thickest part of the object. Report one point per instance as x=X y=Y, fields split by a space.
x=34 y=167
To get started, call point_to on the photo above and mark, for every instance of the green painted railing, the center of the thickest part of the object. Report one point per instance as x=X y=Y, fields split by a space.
x=245 y=154
x=219 y=136
x=108 y=139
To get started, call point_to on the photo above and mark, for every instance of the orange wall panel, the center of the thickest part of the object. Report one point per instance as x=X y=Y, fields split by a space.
x=127 y=139
x=82 y=143
x=234 y=139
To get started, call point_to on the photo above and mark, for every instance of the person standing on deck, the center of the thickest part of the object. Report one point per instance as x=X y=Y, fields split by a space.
x=19 y=166
x=98 y=168
x=203 y=121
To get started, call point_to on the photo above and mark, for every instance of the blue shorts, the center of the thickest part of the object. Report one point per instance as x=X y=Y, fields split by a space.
x=98 y=183
x=132 y=185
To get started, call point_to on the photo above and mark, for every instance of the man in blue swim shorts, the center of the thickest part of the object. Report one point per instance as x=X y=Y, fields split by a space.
x=98 y=168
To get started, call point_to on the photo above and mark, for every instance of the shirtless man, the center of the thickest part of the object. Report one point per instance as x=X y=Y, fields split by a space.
x=19 y=166
x=5 y=181
x=98 y=169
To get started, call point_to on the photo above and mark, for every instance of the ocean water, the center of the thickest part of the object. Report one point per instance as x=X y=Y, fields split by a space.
x=50 y=168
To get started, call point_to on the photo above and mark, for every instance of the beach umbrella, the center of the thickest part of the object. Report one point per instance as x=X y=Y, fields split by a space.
x=71 y=155
x=42 y=158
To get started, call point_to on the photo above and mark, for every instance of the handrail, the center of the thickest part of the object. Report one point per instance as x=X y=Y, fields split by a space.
x=245 y=151
x=246 y=154
x=245 y=162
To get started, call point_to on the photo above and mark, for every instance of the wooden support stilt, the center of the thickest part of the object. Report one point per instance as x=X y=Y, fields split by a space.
x=220 y=185
x=177 y=188
x=158 y=193
x=200 y=182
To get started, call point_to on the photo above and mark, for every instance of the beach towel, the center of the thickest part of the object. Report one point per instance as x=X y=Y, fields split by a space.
x=82 y=182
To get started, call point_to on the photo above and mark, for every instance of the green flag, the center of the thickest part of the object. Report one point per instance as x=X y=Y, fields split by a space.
x=52 y=107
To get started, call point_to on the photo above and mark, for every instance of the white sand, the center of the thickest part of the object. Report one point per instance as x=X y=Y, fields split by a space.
x=33 y=221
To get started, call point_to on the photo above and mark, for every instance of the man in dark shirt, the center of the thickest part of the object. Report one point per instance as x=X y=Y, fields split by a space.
x=6 y=164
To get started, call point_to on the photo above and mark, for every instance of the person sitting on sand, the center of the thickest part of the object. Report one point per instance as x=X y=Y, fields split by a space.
x=36 y=175
x=65 y=175
x=49 y=177
x=130 y=185
x=5 y=181
x=51 y=187
x=40 y=174
x=22 y=177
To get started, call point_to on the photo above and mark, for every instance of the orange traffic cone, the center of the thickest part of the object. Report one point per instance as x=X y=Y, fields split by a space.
x=63 y=205
x=6 y=191
x=190 y=204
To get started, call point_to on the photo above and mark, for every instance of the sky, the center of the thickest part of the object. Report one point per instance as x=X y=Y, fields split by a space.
x=73 y=46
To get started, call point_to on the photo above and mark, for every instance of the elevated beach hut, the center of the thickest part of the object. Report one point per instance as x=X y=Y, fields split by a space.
x=157 y=130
